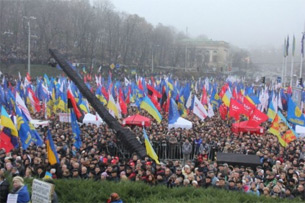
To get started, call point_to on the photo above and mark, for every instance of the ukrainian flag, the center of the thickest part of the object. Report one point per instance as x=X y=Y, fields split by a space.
x=149 y=149
x=51 y=150
x=226 y=98
x=147 y=105
x=112 y=106
x=7 y=122
x=271 y=112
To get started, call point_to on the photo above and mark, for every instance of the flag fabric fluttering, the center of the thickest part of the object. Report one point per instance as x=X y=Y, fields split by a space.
x=236 y=109
x=147 y=105
x=23 y=130
x=75 y=131
x=199 y=109
x=257 y=118
x=282 y=130
x=51 y=149
x=173 y=114
x=294 y=114
x=72 y=104
x=7 y=122
x=149 y=149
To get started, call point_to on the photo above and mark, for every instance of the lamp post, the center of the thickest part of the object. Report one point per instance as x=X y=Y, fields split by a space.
x=29 y=40
x=152 y=57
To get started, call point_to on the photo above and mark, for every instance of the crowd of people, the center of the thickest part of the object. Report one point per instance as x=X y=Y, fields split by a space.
x=191 y=162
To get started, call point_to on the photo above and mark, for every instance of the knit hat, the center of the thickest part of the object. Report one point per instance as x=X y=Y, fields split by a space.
x=18 y=179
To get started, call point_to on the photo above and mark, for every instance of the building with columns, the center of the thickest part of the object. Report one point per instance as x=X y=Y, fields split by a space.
x=207 y=55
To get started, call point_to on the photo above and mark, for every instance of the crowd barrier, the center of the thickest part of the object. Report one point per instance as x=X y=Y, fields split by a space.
x=164 y=150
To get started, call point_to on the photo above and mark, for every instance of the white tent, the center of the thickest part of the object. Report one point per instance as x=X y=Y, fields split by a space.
x=93 y=119
x=300 y=130
x=181 y=123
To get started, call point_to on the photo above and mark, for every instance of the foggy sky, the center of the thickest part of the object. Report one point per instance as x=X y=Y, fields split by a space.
x=244 y=23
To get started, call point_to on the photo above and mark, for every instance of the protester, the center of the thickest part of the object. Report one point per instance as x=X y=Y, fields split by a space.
x=20 y=189
x=4 y=187
x=102 y=157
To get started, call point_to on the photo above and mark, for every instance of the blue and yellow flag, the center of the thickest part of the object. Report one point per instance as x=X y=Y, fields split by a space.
x=147 y=105
x=282 y=130
x=294 y=114
x=226 y=98
x=23 y=130
x=149 y=149
x=271 y=112
x=51 y=150
x=7 y=122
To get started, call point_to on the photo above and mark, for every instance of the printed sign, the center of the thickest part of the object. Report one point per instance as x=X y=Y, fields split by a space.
x=42 y=191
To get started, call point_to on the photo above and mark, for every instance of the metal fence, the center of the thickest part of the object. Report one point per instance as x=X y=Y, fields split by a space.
x=164 y=150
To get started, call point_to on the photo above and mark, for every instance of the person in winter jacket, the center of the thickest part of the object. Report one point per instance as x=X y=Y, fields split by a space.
x=186 y=150
x=4 y=188
x=20 y=189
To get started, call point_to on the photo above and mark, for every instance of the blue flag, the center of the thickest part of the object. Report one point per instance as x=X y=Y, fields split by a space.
x=23 y=130
x=75 y=131
x=173 y=114
x=294 y=114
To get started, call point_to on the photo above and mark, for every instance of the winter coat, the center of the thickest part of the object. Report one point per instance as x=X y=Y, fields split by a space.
x=187 y=148
x=4 y=190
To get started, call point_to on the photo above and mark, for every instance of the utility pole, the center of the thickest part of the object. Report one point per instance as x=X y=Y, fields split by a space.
x=29 y=41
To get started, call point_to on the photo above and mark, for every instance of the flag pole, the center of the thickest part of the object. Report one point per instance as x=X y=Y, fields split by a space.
x=292 y=60
x=285 y=70
x=302 y=52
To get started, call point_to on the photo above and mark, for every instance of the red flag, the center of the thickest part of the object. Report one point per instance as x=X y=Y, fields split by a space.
x=127 y=100
x=249 y=107
x=204 y=97
x=28 y=77
x=257 y=118
x=122 y=103
x=105 y=93
x=34 y=100
x=72 y=104
x=235 y=109
x=223 y=90
x=152 y=81
x=223 y=111
x=153 y=92
x=5 y=142
x=154 y=100
x=140 y=84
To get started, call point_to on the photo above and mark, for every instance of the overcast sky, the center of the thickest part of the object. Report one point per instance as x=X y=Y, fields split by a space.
x=244 y=23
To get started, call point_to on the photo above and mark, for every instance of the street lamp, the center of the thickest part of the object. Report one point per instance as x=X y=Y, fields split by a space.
x=29 y=41
x=152 y=57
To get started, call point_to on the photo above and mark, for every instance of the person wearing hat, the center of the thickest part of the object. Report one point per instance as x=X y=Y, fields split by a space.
x=114 y=198
x=20 y=189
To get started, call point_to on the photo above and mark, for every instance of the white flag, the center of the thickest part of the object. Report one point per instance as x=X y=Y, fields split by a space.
x=189 y=101
x=21 y=105
x=199 y=110
x=210 y=110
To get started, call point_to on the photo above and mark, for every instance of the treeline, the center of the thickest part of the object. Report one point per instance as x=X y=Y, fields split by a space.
x=92 y=33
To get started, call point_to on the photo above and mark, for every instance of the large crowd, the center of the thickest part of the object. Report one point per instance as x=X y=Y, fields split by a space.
x=102 y=158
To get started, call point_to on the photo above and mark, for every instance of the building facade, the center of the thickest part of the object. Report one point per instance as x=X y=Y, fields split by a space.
x=207 y=55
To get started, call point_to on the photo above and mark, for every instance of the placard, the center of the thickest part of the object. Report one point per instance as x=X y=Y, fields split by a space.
x=42 y=191
x=64 y=117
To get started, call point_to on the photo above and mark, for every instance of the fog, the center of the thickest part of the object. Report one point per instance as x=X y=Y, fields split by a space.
x=244 y=23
